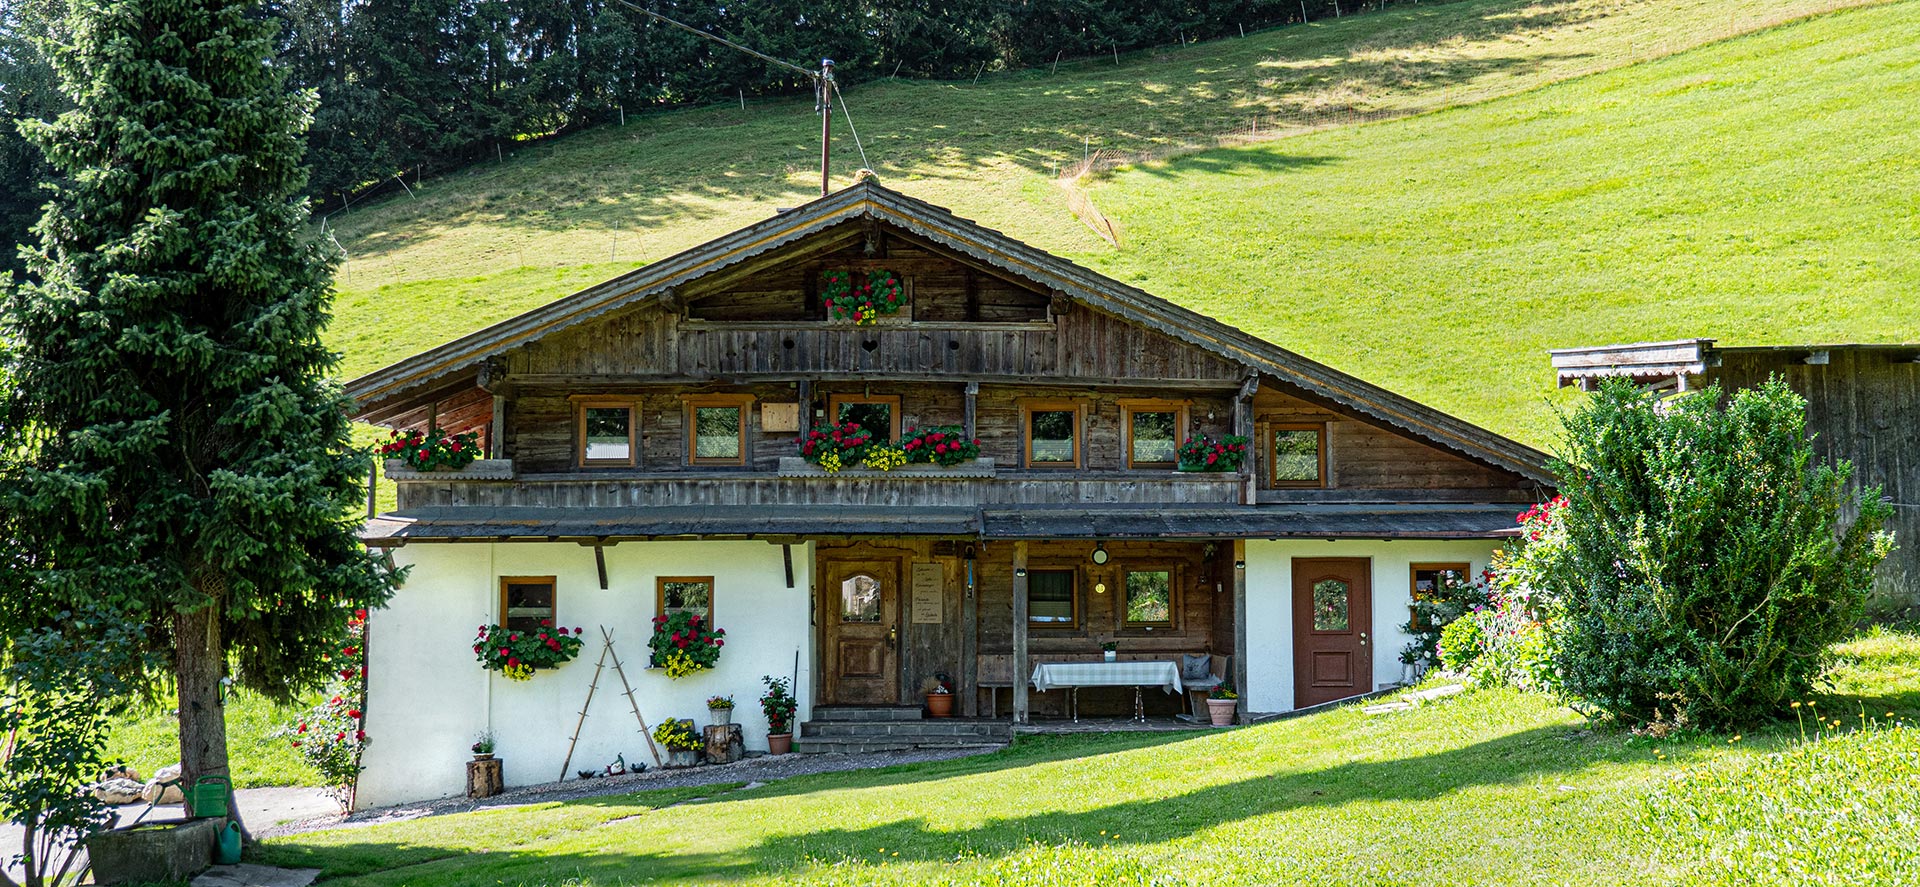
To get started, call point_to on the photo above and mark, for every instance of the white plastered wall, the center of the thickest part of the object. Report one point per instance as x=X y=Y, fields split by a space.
x=427 y=696
x=1270 y=604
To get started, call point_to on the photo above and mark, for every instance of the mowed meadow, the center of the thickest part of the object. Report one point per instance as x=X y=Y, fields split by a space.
x=1542 y=174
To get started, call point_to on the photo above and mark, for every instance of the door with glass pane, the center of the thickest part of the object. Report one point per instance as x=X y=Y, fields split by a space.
x=860 y=612
x=1332 y=629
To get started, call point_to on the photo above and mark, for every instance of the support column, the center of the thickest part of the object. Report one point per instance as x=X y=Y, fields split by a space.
x=1239 y=676
x=1243 y=426
x=1020 y=669
x=973 y=397
x=969 y=635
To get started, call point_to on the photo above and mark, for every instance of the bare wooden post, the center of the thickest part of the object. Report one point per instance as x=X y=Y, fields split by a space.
x=969 y=635
x=1243 y=426
x=1239 y=676
x=1020 y=632
x=973 y=397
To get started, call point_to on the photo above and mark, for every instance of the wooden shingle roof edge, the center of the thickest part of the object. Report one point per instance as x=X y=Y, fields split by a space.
x=870 y=200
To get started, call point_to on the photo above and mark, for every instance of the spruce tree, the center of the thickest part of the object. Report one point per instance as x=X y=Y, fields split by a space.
x=175 y=446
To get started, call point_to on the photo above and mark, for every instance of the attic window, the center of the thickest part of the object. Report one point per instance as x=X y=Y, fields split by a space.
x=717 y=429
x=1298 y=455
x=605 y=431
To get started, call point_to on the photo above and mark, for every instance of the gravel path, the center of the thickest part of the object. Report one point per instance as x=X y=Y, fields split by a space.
x=760 y=769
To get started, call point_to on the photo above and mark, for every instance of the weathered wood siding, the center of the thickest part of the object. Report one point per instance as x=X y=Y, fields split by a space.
x=1863 y=405
x=1363 y=455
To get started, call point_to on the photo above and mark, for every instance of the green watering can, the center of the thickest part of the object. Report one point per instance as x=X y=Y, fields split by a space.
x=227 y=852
x=209 y=796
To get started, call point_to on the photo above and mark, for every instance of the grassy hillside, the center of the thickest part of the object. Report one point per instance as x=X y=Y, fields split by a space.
x=480 y=246
x=1761 y=190
x=1494 y=787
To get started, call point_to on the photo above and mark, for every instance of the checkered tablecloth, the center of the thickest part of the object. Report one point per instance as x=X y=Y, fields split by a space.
x=1062 y=675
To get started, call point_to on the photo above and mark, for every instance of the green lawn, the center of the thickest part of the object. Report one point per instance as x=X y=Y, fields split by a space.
x=1495 y=787
x=488 y=242
x=1762 y=190
x=149 y=738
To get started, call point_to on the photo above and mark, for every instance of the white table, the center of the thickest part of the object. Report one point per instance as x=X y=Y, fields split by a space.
x=1071 y=676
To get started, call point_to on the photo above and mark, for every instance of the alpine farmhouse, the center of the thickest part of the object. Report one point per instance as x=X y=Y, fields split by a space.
x=642 y=457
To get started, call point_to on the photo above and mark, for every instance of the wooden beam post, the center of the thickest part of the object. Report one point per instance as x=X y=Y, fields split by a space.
x=1020 y=632
x=1239 y=676
x=600 y=562
x=973 y=397
x=969 y=635
x=1243 y=426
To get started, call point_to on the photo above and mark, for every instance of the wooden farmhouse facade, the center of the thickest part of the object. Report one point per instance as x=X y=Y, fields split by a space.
x=641 y=437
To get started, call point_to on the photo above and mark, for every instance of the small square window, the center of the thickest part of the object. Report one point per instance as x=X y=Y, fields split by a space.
x=1149 y=597
x=1299 y=455
x=717 y=429
x=606 y=432
x=1154 y=430
x=685 y=594
x=1426 y=583
x=526 y=602
x=1051 y=601
x=880 y=416
x=1053 y=435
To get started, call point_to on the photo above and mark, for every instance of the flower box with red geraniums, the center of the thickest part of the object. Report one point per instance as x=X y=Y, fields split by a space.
x=942 y=445
x=1203 y=453
x=833 y=447
x=433 y=450
x=684 y=644
x=862 y=298
x=518 y=654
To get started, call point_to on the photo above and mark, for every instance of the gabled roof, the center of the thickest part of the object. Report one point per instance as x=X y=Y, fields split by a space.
x=868 y=200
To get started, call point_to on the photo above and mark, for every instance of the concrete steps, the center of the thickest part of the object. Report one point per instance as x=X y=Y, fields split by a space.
x=858 y=729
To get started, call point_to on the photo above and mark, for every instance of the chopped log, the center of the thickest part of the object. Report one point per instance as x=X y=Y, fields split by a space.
x=725 y=743
x=484 y=778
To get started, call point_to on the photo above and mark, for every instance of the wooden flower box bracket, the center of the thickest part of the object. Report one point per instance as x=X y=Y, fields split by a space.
x=479 y=469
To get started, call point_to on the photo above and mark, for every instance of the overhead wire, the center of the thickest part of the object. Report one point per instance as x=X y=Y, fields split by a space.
x=856 y=133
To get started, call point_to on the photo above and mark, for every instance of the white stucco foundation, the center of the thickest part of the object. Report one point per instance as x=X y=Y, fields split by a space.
x=1270 y=604
x=427 y=697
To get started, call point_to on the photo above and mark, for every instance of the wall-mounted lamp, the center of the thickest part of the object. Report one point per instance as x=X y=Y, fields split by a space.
x=1100 y=552
x=1239 y=565
x=1020 y=573
x=1099 y=588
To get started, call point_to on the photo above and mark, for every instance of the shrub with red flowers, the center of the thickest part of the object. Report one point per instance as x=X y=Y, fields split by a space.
x=944 y=445
x=432 y=450
x=684 y=643
x=835 y=446
x=862 y=299
x=1541 y=520
x=1203 y=453
x=332 y=734
x=518 y=654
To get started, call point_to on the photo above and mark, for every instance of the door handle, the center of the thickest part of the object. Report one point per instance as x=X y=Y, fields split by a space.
x=893 y=636
x=1363 y=639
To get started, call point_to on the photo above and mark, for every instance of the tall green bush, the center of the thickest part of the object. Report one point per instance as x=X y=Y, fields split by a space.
x=1708 y=559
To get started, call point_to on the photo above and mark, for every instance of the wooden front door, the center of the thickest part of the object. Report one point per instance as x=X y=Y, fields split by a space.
x=1332 y=629
x=861 y=610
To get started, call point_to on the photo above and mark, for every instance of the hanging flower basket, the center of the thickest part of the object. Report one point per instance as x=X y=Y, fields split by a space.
x=518 y=654
x=685 y=644
x=862 y=298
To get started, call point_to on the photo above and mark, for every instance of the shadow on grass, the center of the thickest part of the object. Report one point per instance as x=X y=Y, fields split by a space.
x=1506 y=760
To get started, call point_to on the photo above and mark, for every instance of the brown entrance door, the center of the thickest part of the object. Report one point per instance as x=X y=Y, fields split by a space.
x=861 y=609
x=1332 y=629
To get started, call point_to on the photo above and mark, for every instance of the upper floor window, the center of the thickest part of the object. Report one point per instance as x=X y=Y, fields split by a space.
x=1153 y=430
x=684 y=594
x=1054 y=433
x=1051 y=601
x=526 y=602
x=717 y=429
x=606 y=431
x=1298 y=455
x=880 y=416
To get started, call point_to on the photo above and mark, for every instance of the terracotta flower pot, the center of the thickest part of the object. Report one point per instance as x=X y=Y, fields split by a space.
x=940 y=705
x=1221 y=711
x=779 y=743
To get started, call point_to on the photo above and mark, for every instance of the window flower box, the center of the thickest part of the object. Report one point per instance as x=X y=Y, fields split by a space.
x=478 y=469
x=795 y=466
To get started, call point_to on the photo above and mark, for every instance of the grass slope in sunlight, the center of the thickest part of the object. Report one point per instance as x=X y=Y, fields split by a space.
x=1763 y=190
x=1495 y=787
x=483 y=244
x=148 y=738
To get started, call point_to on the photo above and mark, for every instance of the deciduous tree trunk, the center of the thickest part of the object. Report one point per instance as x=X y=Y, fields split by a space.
x=199 y=661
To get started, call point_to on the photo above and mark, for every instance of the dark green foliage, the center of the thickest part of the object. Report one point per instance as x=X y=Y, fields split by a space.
x=1453 y=596
x=1709 y=561
x=176 y=449
x=28 y=90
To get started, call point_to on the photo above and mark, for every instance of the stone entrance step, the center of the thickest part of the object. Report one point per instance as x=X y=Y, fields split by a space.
x=866 y=713
x=899 y=734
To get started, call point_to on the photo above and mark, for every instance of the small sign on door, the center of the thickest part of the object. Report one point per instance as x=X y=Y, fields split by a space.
x=929 y=594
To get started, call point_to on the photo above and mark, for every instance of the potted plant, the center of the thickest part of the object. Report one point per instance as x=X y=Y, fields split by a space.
x=683 y=745
x=1110 y=651
x=778 y=705
x=720 y=710
x=483 y=746
x=518 y=654
x=939 y=697
x=1222 y=702
x=684 y=643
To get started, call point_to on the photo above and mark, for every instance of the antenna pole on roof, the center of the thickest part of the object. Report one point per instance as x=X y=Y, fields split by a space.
x=826 y=120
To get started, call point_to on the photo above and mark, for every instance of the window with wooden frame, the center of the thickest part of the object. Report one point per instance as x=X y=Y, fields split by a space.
x=1425 y=580
x=1053 y=597
x=717 y=428
x=526 y=602
x=1054 y=433
x=606 y=431
x=1151 y=432
x=1147 y=597
x=878 y=414
x=684 y=594
x=1297 y=455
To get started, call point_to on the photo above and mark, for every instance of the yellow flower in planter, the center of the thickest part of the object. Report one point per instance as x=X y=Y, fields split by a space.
x=519 y=672
x=830 y=463
x=886 y=458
